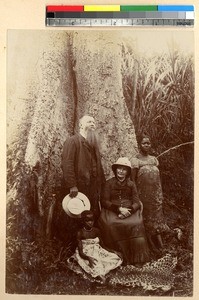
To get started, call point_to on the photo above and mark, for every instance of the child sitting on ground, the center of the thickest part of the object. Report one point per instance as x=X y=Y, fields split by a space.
x=91 y=254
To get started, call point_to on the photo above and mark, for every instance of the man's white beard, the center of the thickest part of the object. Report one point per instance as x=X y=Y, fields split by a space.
x=92 y=138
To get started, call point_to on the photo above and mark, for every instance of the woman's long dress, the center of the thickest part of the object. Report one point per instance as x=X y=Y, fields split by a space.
x=124 y=235
x=150 y=193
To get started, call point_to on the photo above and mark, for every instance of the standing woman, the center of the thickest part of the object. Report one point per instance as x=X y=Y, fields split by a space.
x=120 y=220
x=147 y=178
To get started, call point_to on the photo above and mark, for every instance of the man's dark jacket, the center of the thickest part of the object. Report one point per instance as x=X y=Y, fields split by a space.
x=81 y=165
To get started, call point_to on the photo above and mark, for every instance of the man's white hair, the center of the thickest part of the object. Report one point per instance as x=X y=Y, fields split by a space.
x=81 y=120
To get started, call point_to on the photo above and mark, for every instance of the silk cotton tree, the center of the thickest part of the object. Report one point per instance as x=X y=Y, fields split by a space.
x=64 y=75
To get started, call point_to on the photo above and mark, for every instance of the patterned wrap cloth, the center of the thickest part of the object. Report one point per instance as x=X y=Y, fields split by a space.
x=150 y=194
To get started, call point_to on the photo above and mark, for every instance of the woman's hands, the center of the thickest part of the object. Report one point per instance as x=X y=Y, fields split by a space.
x=124 y=212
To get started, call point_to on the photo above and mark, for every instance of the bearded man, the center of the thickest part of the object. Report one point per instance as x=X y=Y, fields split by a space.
x=81 y=164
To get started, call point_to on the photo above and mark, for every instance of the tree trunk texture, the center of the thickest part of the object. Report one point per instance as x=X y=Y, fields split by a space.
x=54 y=78
x=98 y=66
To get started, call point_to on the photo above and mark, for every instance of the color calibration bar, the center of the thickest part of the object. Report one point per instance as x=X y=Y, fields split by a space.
x=120 y=15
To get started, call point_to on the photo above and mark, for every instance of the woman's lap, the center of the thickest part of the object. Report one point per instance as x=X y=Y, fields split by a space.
x=112 y=227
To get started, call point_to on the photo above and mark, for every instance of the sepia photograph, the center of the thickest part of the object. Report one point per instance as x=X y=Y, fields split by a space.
x=100 y=162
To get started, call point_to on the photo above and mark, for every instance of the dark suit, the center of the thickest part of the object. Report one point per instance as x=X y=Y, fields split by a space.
x=81 y=165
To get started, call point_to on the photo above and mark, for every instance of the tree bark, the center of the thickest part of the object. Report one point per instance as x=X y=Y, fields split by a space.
x=54 y=79
x=98 y=63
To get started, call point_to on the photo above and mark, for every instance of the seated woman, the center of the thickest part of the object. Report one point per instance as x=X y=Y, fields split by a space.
x=120 y=221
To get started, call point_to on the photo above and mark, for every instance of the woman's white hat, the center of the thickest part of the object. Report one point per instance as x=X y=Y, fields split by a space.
x=122 y=161
x=75 y=206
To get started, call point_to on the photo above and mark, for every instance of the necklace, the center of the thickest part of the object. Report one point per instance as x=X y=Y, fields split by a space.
x=88 y=229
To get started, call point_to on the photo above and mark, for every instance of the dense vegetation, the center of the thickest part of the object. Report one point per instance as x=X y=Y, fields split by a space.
x=163 y=106
x=160 y=100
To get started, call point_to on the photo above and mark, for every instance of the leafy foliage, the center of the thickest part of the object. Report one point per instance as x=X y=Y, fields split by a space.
x=159 y=94
x=31 y=263
x=163 y=106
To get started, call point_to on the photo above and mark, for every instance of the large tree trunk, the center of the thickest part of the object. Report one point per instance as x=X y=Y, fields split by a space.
x=98 y=63
x=54 y=78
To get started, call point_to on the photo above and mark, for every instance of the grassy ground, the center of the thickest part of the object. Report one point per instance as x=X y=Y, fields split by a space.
x=40 y=268
x=68 y=283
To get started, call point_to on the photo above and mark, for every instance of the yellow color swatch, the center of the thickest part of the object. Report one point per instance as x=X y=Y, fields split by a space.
x=101 y=7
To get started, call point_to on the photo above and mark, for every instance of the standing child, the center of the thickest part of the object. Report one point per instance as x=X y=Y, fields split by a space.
x=149 y=187
x=90 y=254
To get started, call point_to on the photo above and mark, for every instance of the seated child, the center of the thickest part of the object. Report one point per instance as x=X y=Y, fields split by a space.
x=91 y=254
